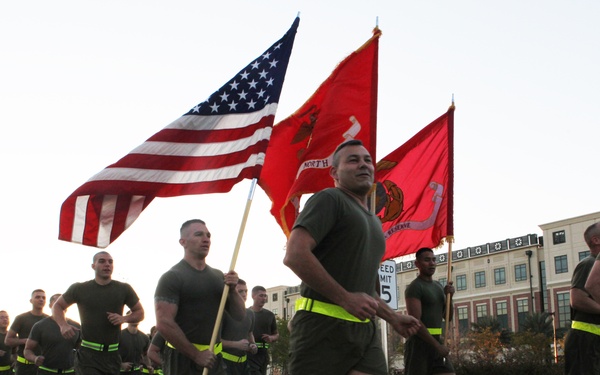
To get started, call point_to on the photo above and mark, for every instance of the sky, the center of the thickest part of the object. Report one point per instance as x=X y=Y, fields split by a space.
x=82 y=83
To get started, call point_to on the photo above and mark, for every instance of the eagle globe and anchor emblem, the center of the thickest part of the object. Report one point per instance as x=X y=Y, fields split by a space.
x=389 y=203
x=389 y=196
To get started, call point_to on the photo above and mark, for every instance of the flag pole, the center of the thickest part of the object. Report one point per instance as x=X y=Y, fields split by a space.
x=450 y=229
x=236 y=251
x=383 y=324
x=449 y=239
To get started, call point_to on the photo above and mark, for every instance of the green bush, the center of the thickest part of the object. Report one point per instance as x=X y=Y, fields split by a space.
x=481 y=353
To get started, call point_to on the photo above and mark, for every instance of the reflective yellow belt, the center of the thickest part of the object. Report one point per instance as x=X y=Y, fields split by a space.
x=100 y=347
x=262 y=345
x=57 y=371
x=327 y=309
x=4 y=368
x=218 y=347
x=145 y=371
x=435 y=331
x=23 y=360
x=586 y=327
x=133 y=369
x=234 y=358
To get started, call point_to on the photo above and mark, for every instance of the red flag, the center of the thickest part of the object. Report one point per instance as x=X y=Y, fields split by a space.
x=415 y=190
x=299 y=154
x=216 y=144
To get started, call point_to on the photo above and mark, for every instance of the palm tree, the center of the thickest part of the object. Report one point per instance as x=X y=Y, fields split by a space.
x=539 y=323
x=493 y=324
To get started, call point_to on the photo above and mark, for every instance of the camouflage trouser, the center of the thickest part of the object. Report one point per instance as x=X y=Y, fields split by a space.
x=92 y=362
x=176 y=363
x=582 y=353
x=257 y=363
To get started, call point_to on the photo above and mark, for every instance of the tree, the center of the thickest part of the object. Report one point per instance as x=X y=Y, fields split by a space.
x=493 y=324
x=539 y=323
x=281 y=348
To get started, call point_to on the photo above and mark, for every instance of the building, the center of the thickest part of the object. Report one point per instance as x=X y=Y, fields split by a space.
x=507 y=279
x=282 y=300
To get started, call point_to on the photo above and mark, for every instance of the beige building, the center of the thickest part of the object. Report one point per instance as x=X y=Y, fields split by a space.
x=507 y=279
x=282 y=300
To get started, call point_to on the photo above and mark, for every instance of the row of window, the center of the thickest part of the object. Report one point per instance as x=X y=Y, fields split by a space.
x=522 y=307
x=560 y=266
x=480 y=280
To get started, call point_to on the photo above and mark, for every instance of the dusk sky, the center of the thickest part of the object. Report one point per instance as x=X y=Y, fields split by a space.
x=83 y=83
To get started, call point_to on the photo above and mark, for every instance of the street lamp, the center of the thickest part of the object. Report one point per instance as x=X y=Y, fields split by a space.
x=529 y=253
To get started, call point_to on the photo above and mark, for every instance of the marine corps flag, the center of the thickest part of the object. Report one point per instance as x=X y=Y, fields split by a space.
x=299 y=154
x=415 y=190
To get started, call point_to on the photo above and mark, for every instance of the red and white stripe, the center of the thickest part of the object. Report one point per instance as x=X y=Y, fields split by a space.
x=192 y=155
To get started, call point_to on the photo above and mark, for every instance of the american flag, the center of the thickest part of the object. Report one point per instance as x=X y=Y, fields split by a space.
x=209 y=149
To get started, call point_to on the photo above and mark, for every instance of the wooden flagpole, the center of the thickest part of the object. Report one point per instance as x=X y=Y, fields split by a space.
x=383 y=325
x=450 y=233
x=449 y=239
x=236 y=251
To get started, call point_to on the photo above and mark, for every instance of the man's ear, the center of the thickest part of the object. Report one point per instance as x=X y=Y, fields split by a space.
x=333 y=173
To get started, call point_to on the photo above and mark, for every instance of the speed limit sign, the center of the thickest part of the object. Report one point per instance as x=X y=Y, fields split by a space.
x=387 y=284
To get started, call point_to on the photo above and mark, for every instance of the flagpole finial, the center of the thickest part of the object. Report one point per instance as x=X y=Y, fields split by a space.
x=452 y=105
x=376 y=30
x=376 y=33
x=298 y=16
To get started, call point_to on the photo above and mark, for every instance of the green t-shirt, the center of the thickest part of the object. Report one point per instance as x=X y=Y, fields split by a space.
x=22 y=327
x=433 y=300
x=58 y=352
x=197 y=295
x=580 y=275
x=94 y=301
x=350 y=242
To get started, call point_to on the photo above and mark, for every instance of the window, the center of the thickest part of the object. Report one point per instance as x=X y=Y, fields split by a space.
x=543 y=281
x=559 y=237
x=500 y=276
x=442 y=281
x=502 y=313
x=274 y=298
x=481 y=311
x=274 y=311
x=583 y=255
x=479 y=279
x=461 y=282
x=564 y=311
x=520 y=272
x=561 y=264
x=522 y=311
x=463 y=319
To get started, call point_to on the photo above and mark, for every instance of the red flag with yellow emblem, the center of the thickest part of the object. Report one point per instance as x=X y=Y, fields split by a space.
x=299 y=154
x=415 y=190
